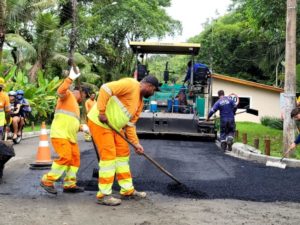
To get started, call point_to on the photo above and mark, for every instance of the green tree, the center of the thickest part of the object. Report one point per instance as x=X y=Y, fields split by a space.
x=2 y=26
x=248 y=42
x=109 y=28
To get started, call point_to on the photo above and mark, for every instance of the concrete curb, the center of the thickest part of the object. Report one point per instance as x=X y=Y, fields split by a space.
x=247 y=152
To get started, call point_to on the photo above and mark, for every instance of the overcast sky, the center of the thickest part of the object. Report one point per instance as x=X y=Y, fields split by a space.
x=193 y=13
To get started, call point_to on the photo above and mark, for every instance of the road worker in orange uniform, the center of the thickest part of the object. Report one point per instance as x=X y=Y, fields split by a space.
x=90 y=102
x=120 y=104
x=63 y=135
x=4 y=106
x=88 y=105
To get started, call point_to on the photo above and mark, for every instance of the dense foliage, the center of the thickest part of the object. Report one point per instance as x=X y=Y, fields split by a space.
x=272 y=122
x=35 y=41
x=41 y=95
x=247 y=42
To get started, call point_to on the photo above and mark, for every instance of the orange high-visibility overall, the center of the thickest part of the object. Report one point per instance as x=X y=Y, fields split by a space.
x=63 y=135
x=122 y=104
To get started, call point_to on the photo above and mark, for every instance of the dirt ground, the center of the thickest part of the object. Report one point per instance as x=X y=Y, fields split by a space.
x=22 y=202
x=66 y=209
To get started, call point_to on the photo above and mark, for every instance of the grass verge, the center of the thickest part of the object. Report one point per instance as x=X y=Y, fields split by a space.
x=255 y=130
x=28 y=128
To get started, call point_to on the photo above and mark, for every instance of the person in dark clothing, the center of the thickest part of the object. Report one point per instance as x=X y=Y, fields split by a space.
x=227 y=108
x=295 y=114
x=200 y=72
x=183 y=107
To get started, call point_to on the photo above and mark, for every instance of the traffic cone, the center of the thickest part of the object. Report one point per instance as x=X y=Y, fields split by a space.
x=43 y=156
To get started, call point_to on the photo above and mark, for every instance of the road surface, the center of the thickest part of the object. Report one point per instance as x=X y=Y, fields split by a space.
x=219 y=189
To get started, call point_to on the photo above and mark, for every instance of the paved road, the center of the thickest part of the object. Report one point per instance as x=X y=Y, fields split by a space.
x=206 y=172
x=214 y=182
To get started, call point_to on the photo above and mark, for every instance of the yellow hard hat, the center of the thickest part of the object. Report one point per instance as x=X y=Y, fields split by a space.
x=2 y=82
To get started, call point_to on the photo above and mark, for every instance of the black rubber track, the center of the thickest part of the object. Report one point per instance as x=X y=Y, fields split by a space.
x=205 y=171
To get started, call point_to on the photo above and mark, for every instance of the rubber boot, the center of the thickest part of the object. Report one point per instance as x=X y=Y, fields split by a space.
x=229 y=143
x=50 y=189
x=135 y=195
x=223 y=145
x=109 y=200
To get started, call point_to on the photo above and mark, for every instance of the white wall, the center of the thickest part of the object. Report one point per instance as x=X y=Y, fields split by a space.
x=265 y=101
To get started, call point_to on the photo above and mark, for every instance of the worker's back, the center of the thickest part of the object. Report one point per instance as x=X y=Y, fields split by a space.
x=226 y=107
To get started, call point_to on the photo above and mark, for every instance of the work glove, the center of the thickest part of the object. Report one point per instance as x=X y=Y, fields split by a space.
x=72 y=75
x=85 y=128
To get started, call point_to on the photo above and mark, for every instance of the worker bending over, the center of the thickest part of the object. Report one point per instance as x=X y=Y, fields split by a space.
x=119 y=104
x=227 y=108
x=63 y=135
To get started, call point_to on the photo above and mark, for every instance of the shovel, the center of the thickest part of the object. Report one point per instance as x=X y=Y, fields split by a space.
x=250 y=111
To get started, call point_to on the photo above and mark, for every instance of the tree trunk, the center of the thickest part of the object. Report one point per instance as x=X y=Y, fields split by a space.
x=73 y=31
x=2 y=26
x=290 y=74
x=34 y=69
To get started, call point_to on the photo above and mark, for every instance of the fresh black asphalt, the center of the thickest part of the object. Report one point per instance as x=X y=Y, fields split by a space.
x=205 y=171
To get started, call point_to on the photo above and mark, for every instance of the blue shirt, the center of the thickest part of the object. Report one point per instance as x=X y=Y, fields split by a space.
x=25 y=108
x=196 y=66
x=297 y=141
x=226 y=106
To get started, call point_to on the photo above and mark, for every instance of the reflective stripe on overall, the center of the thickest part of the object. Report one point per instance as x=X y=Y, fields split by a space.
x=65 y=125
x=2 y=117
x=64 y=144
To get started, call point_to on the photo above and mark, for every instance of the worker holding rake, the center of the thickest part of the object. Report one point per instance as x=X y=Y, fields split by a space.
x=295 y=114
x=63 y=133
x=119 y=106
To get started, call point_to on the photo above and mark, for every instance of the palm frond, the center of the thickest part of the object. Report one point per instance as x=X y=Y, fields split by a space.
x=14 y=9
x=61 y=43
x=45 y=4
x=80 y=59
x=20 y=42
x=59 y=59
x=91 y=78
x=46 y=21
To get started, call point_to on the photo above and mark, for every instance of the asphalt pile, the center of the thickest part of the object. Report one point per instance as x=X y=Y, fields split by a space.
x=6 y=153
x=205 y=171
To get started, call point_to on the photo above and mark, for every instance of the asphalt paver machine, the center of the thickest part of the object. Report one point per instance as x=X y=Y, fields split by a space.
x=175 y=109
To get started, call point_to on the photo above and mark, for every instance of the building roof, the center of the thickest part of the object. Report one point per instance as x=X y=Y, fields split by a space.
x=165 y=48
x=247 y=83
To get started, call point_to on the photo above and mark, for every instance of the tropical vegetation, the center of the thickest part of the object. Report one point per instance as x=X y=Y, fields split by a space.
x=36 y=37
x=35 y=42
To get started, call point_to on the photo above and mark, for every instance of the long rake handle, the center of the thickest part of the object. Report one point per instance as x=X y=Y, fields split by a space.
x=147 y=157
x=285 y=154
